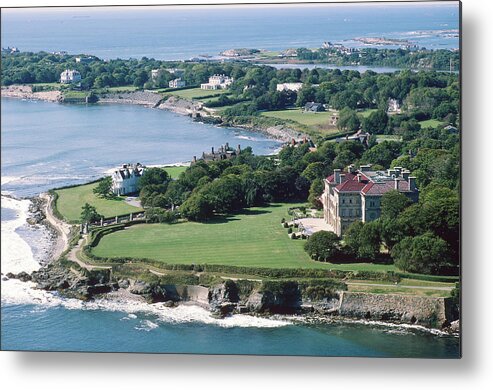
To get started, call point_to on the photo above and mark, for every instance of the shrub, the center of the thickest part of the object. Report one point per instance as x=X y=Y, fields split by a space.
x=323 y=246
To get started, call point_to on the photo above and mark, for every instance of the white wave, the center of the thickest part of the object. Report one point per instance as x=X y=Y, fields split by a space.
x=146 y=326
x=9 y=179
x=17 y=292
x=16 y=255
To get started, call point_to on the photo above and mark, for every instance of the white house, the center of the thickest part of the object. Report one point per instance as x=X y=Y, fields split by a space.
x=177 y=83
x=126 y=178
x=156 y=73
x=218 y=81
x=393 y=106
x=70 y=76
x=289 y=87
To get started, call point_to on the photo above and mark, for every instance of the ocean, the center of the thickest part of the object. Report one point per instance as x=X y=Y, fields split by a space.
x=181 y=33
x=46 y=145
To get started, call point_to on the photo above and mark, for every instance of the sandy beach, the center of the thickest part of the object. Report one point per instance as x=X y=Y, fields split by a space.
x=26 y=92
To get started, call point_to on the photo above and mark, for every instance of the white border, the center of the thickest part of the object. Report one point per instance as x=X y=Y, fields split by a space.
x=87 y=371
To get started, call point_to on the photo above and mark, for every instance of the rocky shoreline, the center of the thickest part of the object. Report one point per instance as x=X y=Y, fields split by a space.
x=71 y=280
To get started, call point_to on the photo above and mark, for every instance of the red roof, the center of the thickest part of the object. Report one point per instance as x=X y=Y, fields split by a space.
x=384 y=187
x=350 y=186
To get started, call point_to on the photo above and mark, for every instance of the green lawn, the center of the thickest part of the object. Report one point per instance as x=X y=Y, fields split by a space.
x=253 y=238
x=430 y=123
x=197 y=93
x=366 y=113
x=71 y=200
x=174 y=172
x=389 y=137
x=305 y=118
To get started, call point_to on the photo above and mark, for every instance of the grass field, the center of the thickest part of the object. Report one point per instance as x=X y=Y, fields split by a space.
x=174 y=172
x=71 y=200
x=252 y=238
x=124 y=88
x=430 y=123
x=197 y=93
x=366 y=113
x=297 y=115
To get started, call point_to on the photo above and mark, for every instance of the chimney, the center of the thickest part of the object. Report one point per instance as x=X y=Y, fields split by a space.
x=359 y=177
x=337 y=174
x=405 y=174
x=227 y=145
x=341 y=176
x=238 y=150
x=396 y=182
x=412 y=183
x=194 y=159
x=212 y=150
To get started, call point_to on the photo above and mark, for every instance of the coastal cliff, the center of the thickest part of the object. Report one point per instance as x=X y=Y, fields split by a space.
x=324 y=299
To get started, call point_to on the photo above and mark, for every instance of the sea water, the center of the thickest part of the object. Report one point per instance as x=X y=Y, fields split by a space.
x=178 y=34
x=46 y=145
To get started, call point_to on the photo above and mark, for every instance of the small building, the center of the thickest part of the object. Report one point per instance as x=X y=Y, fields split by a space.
x=225 y=152
x=356 y=194
x=175 y=71
x=361 y=136
x=314 y=107
x=218 y=81
x=177 y=83
x=156 y=73
x=289 y=87
x=85 y=60
x=451 y=129
x=70 y=76
x=393 y=106
x=126 y=178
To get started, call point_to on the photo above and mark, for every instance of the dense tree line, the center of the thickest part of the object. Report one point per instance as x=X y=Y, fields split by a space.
x=399 y=58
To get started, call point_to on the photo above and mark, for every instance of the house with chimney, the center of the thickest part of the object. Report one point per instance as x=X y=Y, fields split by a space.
x=70 y=76
x=224 y=152
x=218 y=81
x=356 y=195
x=125 y=179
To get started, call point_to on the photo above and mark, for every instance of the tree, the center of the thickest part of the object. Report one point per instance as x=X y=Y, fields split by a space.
x=383 y=153
x=363 y=239
x=89 y=214
x=153 y=176
x=348 y=120
x=197 y=207
x=103 y=189
x=376 y=122
x=323 y=246
x=424 y=254
x=316 y=189
x=393 y=203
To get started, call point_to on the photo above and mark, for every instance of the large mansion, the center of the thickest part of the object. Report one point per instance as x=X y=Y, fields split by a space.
x=218 y=81
x=126 y=179
x=69 y=76
x=356 y=195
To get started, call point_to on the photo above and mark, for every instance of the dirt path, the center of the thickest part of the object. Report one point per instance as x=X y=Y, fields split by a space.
x=441 y=288
x=61 y=227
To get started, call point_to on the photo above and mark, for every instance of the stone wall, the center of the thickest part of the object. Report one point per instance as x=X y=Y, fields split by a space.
x=426 y=311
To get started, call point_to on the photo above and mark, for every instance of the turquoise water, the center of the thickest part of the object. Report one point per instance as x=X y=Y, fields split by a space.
x=29 y=327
